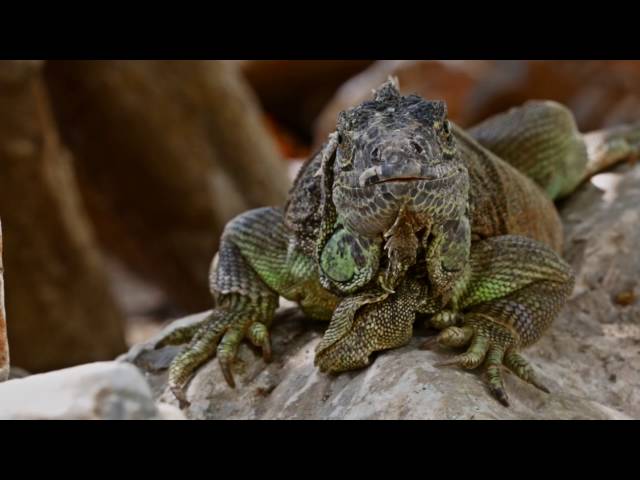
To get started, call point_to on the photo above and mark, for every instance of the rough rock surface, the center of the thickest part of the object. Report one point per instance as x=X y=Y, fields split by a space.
x=60 y=308
x=94 y=391
x=164 y=159
x=590 y=358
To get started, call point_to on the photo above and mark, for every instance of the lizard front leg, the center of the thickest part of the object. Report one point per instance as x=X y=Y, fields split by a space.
x=447 y=256
x=514 y=290
x=252 y=266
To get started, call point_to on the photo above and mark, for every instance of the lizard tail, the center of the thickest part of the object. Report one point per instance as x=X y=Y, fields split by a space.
x=607 y=147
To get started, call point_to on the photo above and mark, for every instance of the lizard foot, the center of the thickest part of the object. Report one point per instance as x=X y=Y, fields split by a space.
x=494 y=346
x=220 y=334
x=445 y=319
x=366 y=323
x=345 y=344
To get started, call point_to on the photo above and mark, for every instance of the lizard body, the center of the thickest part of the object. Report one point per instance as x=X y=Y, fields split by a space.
x=403 y=213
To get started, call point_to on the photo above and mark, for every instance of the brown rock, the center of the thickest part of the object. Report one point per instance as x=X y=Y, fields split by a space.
x=167 y=152
x=295 y=91
x=590 y=88
x=599 y=92
x=61 y=308
x=4 y=343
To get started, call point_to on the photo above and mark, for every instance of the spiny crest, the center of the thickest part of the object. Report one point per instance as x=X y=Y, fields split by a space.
x=389 y=90
x=389 y=107
x=429 y=111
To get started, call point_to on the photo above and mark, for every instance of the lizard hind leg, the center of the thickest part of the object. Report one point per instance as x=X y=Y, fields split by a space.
x=488 y=342
x=516 y=289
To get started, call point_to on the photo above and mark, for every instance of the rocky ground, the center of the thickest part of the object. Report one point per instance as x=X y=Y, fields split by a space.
x=590 y=358
x=99 y=390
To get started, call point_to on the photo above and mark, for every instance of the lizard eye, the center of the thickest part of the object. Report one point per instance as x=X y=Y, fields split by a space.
x=345 y=163
x=340 y=139
x=448 y=145
x=416 y=146
x=444 y=130
x=375 y=153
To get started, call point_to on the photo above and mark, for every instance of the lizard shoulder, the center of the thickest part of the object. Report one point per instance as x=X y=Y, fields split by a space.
x=302 y=213
x=503 y=200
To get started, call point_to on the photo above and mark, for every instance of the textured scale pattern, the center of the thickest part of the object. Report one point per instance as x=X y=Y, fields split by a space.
x=388 y=319
x=529 y=212
x=402 y=212
x=545 y=129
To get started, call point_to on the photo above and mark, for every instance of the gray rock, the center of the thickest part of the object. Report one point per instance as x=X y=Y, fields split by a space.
x=593 y=349
x=101 y=390
x=169 y=412
x=589 y=358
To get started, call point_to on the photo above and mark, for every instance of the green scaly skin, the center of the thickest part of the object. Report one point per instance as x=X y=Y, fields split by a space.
x=404 y=213
x=512 y=290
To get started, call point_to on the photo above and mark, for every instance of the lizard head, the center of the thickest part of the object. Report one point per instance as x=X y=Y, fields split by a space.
x=395 y=153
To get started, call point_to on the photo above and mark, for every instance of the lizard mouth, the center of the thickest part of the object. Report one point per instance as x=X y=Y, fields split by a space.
x=403 y=180
x=374 y=176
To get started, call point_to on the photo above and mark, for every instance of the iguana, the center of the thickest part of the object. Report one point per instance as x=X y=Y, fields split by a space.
x=404 y=213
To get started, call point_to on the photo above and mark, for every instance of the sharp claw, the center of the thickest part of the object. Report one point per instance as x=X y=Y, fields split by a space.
x=501 y=396
x=181 y=397
x=543 y=388
x=540 y=386
x=225 y=366
x=266 y=350
x=387 y=289
x=523 y=370
x=447 y=363
x=383 y=286
x=428 y=343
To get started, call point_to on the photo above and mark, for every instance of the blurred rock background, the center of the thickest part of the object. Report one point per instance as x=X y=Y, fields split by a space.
x=117 y=177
